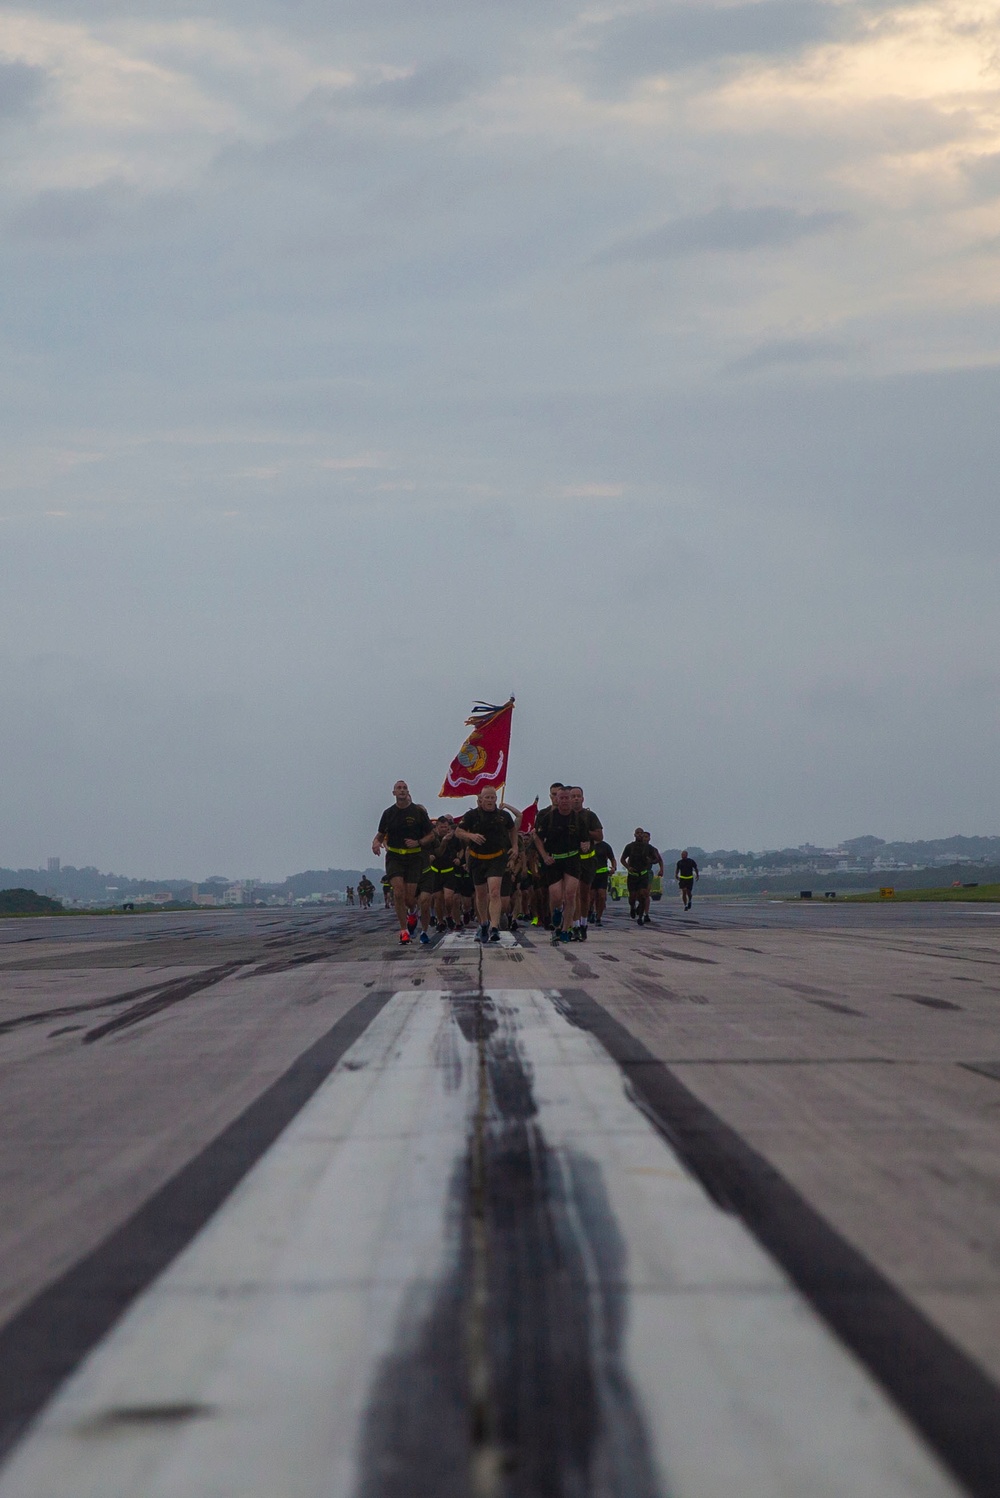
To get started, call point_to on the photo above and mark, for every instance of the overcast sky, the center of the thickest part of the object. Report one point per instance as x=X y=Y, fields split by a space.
x=363 y=358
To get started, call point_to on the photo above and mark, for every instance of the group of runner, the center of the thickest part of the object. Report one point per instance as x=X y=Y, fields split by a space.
x=483 y=867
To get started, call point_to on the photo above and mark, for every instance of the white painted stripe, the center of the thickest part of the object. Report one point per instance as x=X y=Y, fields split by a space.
x=279 y=1313
x=745 y=1389
x=469 y=939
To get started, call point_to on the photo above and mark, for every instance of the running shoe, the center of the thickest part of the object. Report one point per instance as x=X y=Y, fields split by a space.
x=411 y=924
x=494 y=933
x=404 y=938
x=484 y=932
x=564 y=936
x=583 y=932
x=425 y=940
x=513 y=926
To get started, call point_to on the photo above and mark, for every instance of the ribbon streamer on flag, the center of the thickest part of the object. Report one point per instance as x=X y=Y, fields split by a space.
x=482 y=759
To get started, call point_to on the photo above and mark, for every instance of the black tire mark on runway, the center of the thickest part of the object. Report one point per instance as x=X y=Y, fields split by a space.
x=165 y=998
x=532 y=1400
x=836 y=1008
x=944 y=1392
x=43 y=1343
x=927 y=1001
x=64 y=1011
x=662 y=952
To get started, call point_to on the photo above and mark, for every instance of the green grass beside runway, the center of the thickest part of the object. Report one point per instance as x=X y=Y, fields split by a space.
x=988 y=893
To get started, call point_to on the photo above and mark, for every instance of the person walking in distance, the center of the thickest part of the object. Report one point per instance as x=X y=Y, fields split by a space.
x=403 y=830
x=491 y=835
x=686 y=872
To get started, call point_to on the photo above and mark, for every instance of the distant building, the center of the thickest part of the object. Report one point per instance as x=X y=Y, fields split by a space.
x=53 y=866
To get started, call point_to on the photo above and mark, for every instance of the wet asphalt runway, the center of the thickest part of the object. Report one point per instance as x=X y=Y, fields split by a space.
x=706 y=1156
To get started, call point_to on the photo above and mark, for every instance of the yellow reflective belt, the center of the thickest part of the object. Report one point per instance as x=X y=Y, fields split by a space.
x=405 y=851
x=469 y=854
x=573 y=853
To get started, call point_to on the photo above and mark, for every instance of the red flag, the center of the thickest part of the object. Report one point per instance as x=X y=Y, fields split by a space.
x=482 y=759
x=528 y=816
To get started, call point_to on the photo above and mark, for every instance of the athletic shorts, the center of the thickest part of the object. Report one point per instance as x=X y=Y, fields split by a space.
x=446 y=879
x=683 y=879
x=561 y=866
x=488 y=868
x=507 y=886
x=600 y=881
x=588 y=865
x=405 y=866
x=527 y=881
x=637 y=882
x=426 y=882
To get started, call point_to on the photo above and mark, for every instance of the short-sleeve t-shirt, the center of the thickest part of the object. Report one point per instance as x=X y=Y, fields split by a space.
x=401 y=822
x=590 y=825
x=559 y=834
x=686 y=868
x=447 y=851
x=605 y=853
x=639 y=858
x=495 y=826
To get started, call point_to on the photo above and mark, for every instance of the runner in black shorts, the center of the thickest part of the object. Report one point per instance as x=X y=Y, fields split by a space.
x=447 y=876
x=403 y=831
x=492 y=837
x=637 y=859
x=592 y=833
x=686 y=872
x=606 y=866
x=557 y=838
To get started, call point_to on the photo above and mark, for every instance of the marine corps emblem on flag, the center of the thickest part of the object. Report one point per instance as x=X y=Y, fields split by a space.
x=471 y=757
x=482 y=759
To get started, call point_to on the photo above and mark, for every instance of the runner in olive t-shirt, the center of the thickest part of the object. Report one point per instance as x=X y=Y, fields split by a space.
x=492 y=837
x=637 y=859
x=403 y=830
x=557 y=838
x=606 y=866
x=686 y=872
x=591 y=833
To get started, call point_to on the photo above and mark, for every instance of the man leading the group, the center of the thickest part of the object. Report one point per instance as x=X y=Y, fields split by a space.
x=637 y=860
x=403 y=830
x=686 y=872
x=491 y=834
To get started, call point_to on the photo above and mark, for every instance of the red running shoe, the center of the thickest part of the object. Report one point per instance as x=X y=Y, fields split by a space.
x=404 y=937
x=411 y=924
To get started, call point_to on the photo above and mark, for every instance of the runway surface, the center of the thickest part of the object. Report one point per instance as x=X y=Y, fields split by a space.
x=706 y=1207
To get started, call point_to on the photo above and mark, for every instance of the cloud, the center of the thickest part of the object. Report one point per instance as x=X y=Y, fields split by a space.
x=21 y=87
x=781 y=352
x=430 y=86
x=674 y=37
x=72 y=213
x=724 y=229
